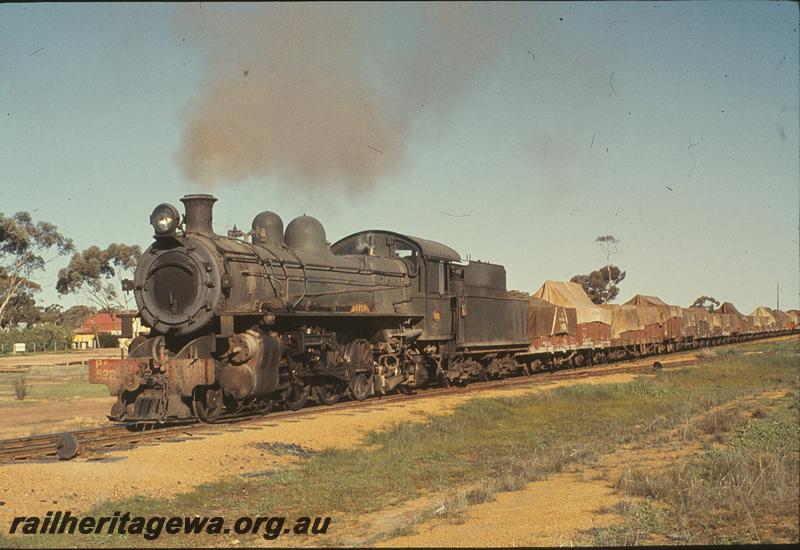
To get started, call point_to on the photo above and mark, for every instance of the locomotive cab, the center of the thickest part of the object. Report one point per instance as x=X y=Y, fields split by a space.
x=428 y=264
x=468 y=324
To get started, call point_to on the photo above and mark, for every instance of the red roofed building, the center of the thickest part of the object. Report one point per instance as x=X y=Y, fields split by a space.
x=103 y=322
x=99 y=323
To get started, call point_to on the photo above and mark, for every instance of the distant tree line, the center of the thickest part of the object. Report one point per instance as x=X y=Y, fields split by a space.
x=39 y=337
x=95 y=274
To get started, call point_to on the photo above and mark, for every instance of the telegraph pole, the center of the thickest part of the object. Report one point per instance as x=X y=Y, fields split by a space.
x=778 y=296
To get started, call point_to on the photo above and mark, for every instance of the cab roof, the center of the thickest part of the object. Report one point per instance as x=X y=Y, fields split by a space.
x=428 y=248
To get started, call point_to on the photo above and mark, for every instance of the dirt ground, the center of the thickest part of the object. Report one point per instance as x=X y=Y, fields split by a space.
x=213 y=455
x=556 y=510
x=43 y=416
x=550 y=512
x=59 y=396
x=545 y=513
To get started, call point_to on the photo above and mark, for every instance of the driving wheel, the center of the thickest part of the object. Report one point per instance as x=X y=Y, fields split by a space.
x=360 y=386
x=328 y=394
x=207 y=404
x=296 y=397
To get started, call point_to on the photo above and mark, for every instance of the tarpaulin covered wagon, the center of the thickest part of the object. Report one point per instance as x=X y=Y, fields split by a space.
x=669 y=317
x=550 y=325
x=688 y=323
x=715 y=323
x=593 y=322
x=738 y=322
x=763 y=319
x=782 y=320
x=727 y=323
x=625 y=323
x=702 y=320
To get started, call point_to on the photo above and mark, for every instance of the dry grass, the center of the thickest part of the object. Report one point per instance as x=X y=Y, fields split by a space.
x=745 y=491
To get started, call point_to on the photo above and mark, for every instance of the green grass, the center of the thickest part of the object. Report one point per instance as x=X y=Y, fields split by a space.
x=485 y=446
x=55 y=382
x=68 y=389
x=744 y=491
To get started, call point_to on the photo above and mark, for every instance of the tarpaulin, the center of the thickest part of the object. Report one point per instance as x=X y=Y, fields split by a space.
x=546 y=319
x=572 y=295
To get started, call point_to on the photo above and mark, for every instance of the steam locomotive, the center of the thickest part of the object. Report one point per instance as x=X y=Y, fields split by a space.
x=283 y=317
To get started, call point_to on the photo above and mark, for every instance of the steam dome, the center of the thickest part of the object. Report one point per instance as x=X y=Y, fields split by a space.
x=307 y=234
x=267 y=228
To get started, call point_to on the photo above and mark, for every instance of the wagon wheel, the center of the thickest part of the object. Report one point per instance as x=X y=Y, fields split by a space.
x=296 y=397
x=207 y=404
x=328 y=394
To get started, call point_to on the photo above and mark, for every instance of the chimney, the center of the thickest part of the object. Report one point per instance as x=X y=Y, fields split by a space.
x=199 y=208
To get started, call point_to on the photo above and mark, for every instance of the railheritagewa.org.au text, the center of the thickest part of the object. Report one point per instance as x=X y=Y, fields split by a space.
x=153 y=527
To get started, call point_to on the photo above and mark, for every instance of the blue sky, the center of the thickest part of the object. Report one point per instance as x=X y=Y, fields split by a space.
x=691 y=159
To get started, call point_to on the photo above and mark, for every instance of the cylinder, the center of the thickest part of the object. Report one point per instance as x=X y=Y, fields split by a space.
x=258 y=376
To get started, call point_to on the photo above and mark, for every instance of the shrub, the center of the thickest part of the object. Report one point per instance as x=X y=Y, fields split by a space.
x=21 y=387
x=108 y=340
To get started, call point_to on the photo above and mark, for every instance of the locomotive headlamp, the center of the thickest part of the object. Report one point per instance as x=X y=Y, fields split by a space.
x=165 y=219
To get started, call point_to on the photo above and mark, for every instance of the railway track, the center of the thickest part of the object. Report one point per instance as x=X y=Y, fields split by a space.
x=95 y=443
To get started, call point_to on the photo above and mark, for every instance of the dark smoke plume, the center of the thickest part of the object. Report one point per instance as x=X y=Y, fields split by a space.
x=326 y=93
